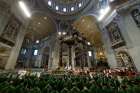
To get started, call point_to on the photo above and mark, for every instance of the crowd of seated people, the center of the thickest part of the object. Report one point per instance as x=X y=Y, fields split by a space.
x=44 y=83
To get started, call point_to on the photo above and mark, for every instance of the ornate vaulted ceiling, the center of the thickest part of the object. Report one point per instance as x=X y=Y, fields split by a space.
x=41 y=26
x=88 y=28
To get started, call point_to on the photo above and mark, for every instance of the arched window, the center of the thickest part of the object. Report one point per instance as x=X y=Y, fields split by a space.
x=35 y=52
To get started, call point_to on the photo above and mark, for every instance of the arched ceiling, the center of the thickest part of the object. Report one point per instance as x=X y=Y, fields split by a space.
x=88 y=28
x=41 y=26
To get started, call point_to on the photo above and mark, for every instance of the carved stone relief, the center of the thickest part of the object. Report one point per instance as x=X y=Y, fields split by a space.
x=136 y=16
x=11 y=30
x=115 y=35
x=124 y=59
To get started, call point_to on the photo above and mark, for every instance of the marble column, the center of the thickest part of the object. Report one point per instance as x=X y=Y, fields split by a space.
x=10 y=65
x=38 y=61
x=51 y=45
x=110 y=54
x=73 y=57
x=55 y=56
x=89 y=60
x=50 y=58
x=133 y=43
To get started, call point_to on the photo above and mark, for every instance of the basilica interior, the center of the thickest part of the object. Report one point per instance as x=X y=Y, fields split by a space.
x=67 y=43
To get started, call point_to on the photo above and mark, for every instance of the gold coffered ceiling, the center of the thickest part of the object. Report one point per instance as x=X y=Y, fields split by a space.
x=40 y=26
x=88 y=28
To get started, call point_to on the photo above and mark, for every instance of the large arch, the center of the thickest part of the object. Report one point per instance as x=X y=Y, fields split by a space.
x=88 y=27
x=40 y=27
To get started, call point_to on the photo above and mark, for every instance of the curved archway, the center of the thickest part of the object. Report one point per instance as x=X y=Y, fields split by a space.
x=40 y=26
